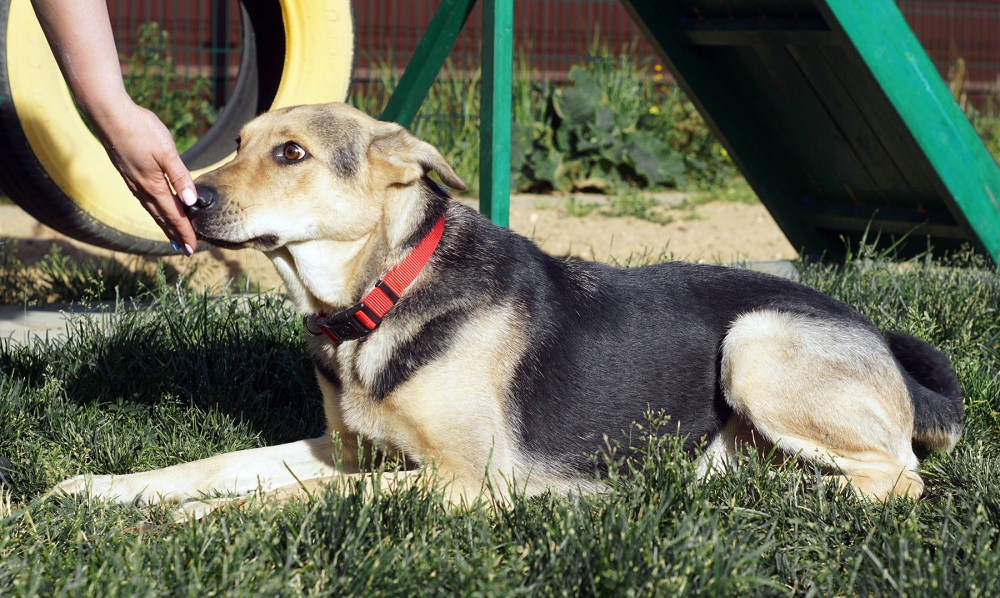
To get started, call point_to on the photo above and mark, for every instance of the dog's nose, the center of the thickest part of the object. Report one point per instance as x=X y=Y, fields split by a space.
x=207 y=197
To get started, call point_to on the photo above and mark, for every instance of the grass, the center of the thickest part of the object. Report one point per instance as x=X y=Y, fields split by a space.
x=59 y=279
x=190 y=375
x=636 y=204
x=642 y=205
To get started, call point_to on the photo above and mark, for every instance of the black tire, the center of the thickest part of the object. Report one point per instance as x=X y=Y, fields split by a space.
x=41 y=179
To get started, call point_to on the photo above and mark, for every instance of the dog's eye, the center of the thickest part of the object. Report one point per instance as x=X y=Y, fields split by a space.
x=292 y=152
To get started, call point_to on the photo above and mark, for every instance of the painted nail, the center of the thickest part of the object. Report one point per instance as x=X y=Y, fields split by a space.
x=176 y=247
x=188 y=197
x=187 y=250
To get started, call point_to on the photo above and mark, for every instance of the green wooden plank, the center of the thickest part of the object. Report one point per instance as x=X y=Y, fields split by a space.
x=494 y=128
x=750 y=32
x=729 y=106
x=427 y=60
x=849 y=119
x=889 y=128
x=909 y=80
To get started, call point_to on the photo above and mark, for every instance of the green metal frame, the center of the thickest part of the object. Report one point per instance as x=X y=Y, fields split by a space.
x=837 y=118
x=495 y=102
x=830 y=108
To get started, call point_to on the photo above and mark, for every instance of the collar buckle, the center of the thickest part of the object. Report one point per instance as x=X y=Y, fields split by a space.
x=362 y=318
x=348 y=325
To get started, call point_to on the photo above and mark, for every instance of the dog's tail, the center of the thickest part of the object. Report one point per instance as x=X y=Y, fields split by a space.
x=934 y=391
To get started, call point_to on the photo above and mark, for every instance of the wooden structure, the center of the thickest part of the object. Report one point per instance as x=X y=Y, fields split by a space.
x=830 y=108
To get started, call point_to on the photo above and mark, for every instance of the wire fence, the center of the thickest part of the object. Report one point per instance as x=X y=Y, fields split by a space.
x=961 y=37
x=551 y=35
x=204 y=38
x=963 y=40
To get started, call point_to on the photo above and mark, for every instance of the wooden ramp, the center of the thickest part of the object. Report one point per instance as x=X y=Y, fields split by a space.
x=837 y=118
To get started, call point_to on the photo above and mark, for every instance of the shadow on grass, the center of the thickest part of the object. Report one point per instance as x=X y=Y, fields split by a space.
x=242 y=358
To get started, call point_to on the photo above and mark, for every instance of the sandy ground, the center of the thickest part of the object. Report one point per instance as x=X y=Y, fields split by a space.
x=715 y=232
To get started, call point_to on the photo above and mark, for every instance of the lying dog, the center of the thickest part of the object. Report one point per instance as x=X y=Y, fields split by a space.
x=455 y=342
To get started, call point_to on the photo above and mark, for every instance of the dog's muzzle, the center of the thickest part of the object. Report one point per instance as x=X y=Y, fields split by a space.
x=208 y=197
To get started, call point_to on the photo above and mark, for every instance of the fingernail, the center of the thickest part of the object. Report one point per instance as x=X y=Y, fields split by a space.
x=176 y=247
x=188 y=197
x=188 y=250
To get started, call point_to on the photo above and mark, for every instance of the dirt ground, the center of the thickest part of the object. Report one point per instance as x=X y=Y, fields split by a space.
x=714 y=232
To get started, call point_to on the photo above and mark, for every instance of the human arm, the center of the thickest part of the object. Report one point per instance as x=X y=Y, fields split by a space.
x=140 y=146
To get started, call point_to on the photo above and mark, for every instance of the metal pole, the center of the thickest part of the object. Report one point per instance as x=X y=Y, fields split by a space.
x=495 y=106
x=426 y=61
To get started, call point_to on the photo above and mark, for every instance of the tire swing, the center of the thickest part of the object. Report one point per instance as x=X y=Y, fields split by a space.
x=294 y=52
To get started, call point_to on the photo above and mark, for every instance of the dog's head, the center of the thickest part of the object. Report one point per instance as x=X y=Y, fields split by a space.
x=318 y=183
x=310 y=172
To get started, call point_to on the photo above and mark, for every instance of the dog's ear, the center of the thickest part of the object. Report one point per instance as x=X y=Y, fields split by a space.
x=406 y=159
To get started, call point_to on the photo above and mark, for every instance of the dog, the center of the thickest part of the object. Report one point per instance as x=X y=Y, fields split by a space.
x=457 y=344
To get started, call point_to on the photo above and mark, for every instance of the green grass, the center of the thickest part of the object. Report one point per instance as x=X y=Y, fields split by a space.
x=189 y=375
x=575 y=207
x=636 y=204
x=57 y=278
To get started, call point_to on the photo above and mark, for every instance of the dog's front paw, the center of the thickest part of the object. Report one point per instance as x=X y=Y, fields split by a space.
x=108 y=487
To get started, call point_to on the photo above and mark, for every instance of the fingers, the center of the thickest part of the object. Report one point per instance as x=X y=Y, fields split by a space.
x=143 y=151
x=169 y=215
x=179 y=181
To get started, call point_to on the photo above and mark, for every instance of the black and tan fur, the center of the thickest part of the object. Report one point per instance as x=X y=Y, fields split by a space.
x=501 y=359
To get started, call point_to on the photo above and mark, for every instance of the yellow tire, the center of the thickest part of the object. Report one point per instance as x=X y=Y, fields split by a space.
x=295 y=52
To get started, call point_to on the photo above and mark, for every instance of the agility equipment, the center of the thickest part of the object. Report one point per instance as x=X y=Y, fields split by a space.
x=837 y=118
x=830 y=108
x=295 y=52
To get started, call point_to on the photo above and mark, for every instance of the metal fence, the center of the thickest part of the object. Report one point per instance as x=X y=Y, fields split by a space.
x=962 y=38
x=204 y=36
x=551 y=35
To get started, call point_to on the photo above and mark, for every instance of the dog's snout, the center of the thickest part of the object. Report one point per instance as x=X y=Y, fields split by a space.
x=207 y=197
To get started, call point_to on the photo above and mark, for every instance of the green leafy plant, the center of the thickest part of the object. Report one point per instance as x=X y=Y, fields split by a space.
x=609 y=131
x=591 y=138
x=987 y=126
x=152 y=81
x=673 y=117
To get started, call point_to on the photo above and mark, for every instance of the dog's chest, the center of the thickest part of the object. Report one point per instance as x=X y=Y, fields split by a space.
x=444 y=401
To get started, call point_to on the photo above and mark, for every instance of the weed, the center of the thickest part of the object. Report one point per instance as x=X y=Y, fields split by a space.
x=637 y=205
x=17 y=285
x=574 y=207
x=987 y=126
x=605 y=132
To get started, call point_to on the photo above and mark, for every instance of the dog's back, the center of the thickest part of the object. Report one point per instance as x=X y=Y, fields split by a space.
x=604 y=347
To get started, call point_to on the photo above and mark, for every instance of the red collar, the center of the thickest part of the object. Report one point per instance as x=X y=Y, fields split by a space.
x=360 y=319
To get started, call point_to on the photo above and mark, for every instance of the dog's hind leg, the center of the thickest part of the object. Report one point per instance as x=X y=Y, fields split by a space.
x=826 y=391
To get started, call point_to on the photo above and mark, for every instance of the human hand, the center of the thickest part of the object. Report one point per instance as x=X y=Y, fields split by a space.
x=143 y=151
